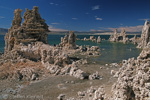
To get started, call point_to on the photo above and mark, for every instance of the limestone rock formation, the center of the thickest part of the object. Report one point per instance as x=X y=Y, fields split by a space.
x=93 y=93
x=72 y=40
x=69 y=42
x=17 y=19
x=145 y=35
x=28 y=42
x=122 y=37
x=114 y=37
x=134 y=40
x=95 y=76
x=125 y=38
x=85 y=39
x=91 y=51
x=33 y=29
x=92 y=38
x=64 y=40
x=133 y=79
x=98 y=39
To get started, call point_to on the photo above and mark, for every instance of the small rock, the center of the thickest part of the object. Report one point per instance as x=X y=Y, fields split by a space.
x=81 y=94
x=61 y=97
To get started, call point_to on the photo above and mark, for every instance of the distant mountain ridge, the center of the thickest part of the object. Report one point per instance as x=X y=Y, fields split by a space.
x=3 y=31
x=103 y=32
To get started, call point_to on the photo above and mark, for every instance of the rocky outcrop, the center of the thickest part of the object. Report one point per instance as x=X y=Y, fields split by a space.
x=145 y=35
x=16 y=23
x=29 y=43
x=92 y=38
x=133 y=79
x=95 y=76
x=64 y=40
x=85 y=39
x=114 y=37
x=134 y=40
x=98 y=39
x=93 y=93
x=72 y=40
x=68 y=42
x=122 y=37
x=91 y=51
x=33 y=29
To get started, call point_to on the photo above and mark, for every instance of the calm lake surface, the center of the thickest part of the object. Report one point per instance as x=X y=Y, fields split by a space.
x=110 y=52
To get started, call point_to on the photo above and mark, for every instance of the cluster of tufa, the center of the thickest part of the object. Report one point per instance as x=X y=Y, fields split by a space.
x=68 y=42
x=93 y=93
x=32 y=29
x=133 y=79
x=122 y=37
x=93 y=39
x=28 y=43
x=134 y=76
x=144 y=42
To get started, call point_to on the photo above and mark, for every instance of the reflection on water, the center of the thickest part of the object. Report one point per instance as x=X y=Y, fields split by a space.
x=113 y=52
x=2 y=43
x=110 y=52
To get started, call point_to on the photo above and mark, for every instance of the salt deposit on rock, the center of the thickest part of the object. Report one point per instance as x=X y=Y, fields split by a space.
x=144 y=41
x=29 y=42
x=93 y=93
x=98 y=39
x=122 y=37
x=133 y=78
x=33 y=29
x=95 y=76
x=92 y=38
x=69 y=42
x=134 y=40
x=61 y=97
x=114 y=37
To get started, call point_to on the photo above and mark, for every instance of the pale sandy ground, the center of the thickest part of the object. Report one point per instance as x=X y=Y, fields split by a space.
x=49 y=87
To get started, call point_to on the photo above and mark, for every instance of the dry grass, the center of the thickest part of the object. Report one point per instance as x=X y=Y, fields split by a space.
x=8 y=70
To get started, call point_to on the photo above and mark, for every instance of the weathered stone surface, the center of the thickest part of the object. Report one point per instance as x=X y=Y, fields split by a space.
x=91 y=51
x=16 y=23
x=72 y=40
x=61 y=97
x=92 y=38
x=33 y=29
x=69 y=42
x=133 y=78
x=64 y=40
x=145 y=35
x=98 y=39
x=93 y=93
x=95 y=76
x=134 y=40
x=122 y=37
x=29 y=42
x=85 y=39
x=114 y=37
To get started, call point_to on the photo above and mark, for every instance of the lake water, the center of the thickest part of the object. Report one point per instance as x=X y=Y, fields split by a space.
x=110 y=52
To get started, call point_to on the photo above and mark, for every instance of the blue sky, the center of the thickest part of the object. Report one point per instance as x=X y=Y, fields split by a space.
x=82 y=15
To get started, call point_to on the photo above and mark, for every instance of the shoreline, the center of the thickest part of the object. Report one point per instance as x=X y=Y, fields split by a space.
x=86 y=34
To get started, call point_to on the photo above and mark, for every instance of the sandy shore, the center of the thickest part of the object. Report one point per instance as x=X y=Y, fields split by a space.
x=50 y=87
